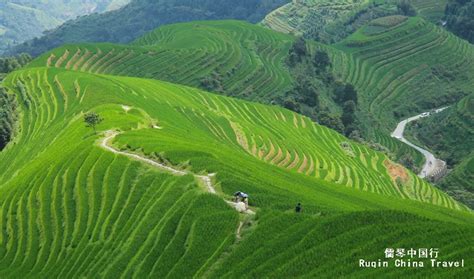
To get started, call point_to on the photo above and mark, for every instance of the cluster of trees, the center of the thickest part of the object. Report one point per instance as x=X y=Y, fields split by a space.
x=306 y=71
x=140 y=16
x=7 y=117
x=10 y=64
x=408 y=161
x=314 y=82
x=460 y=18
x=8 y=102
x=346 y=96
x=212 y=83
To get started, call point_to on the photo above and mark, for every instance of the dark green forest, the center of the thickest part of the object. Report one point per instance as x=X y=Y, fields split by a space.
x=460 y=18
x=7 y=117
x=10 y=64
x=317 y=93
x=7 y=102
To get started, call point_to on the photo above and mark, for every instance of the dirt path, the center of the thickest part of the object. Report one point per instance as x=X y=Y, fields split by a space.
x=205 y=179
x=432 y=164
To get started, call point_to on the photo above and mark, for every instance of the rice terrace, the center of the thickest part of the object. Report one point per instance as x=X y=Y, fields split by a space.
x=238 y=139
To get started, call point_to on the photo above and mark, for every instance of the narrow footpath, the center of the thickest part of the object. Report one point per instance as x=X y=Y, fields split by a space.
x=204 y=179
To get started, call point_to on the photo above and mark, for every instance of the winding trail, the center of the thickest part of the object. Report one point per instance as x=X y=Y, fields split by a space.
x=205 y=179
x=432 y=165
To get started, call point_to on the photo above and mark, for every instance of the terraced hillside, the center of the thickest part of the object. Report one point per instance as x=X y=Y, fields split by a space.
x=70 y=208
x=389 y=64
x=299 y=16
x=235 y=57
x=332 y=21
x=432 y=10
x=386 y=60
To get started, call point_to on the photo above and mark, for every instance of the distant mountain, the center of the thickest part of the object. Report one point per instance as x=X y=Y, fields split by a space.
x=140 y=16
x=22 y=20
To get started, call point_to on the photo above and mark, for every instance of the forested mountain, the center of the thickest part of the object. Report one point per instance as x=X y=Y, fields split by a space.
x=140 y=16
x=22 y=20
x=460 y=18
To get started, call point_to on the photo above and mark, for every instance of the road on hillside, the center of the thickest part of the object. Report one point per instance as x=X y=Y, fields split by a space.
x=432 y=164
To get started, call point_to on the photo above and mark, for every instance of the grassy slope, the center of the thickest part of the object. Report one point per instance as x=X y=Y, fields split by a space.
x=69 y=207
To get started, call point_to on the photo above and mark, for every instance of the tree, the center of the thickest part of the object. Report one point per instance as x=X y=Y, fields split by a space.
x=291 y=104
x=408 y=161
x=350 y=94
x=344 y=92
x=406 y=8
x=339 y=92
x=298 y=49
x=92 y=119
x=24 y=58
x=330 y=120
x=348 y=116
x=212 y=82
x=307 y=92
x=321 y=60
